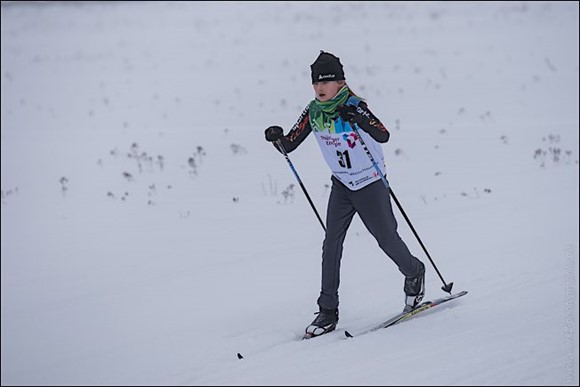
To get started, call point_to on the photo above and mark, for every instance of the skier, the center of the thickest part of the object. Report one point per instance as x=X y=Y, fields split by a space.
x=356 y=186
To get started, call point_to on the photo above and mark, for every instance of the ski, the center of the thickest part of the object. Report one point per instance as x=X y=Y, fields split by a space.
x=403 y=316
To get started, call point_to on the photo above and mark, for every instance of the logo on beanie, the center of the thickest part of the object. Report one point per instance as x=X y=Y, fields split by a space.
x=326 y=76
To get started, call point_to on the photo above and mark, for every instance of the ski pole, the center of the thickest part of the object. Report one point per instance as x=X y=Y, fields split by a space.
x=281 y=147
x=446 y=287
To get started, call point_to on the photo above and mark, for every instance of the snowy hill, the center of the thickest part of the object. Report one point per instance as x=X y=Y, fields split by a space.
x=149 y=233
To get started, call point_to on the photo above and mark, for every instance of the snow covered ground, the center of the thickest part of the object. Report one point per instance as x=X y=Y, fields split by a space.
x=149 y=233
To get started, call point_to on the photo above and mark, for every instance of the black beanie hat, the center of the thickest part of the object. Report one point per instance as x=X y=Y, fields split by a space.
x=326 y=67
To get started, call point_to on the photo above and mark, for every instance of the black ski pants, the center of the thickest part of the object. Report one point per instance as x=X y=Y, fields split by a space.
x=373 y=205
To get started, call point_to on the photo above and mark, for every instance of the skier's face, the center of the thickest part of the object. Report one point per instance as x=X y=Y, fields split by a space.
x=326 y=90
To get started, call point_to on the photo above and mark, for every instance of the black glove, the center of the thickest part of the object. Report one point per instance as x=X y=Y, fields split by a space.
x=349 y=113
x=274 y=133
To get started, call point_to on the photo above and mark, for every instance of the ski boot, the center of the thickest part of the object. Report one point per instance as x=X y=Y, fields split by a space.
x=414 y=290
x=323 y=323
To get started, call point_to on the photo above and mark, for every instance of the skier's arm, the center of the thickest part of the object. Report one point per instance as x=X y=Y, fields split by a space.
x=295 y=136
x=366 y=120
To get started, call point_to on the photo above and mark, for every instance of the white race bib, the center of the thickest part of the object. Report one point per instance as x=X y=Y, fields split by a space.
x=347 y=158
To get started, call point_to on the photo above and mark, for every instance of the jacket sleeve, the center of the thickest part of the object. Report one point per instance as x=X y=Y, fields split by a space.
x=371 y=124
x=297 y=134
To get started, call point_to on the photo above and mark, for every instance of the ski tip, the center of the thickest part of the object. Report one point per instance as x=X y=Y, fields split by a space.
x=307 y=336
x=347 y=334
x=240 y=356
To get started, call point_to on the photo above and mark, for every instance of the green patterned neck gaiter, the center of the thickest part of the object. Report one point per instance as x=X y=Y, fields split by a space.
x=323 y=114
